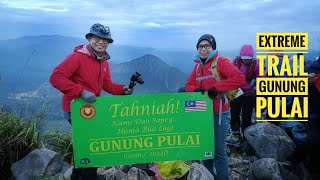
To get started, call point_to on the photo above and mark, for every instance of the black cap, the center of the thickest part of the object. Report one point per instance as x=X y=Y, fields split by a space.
x=209 y=38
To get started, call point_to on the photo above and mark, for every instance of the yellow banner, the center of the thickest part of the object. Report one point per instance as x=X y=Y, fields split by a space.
x=282 y=86
x=281 y=41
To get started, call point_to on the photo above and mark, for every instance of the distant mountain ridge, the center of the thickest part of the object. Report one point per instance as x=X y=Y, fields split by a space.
x=27 y=62
x=158 y=75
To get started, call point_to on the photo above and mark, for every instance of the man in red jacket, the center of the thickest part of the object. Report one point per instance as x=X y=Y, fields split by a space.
x=85 y=73
x=201 y=80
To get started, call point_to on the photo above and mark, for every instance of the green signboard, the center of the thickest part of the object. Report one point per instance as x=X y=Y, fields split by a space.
x=117 y=130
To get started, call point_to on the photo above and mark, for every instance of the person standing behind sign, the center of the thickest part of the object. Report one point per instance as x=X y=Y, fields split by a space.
x=244 y=104
x=202 y=79
x=85 y=73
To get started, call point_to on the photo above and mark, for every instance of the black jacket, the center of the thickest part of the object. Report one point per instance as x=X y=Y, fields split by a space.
x=314 y=94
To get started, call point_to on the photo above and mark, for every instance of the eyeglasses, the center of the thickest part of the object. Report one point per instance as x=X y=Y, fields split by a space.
x=206 y=46
x=97 y=39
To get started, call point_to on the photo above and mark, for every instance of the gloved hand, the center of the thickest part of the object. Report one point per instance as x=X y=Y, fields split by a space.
x=212 y=92
x=88 y=96
x=199 y=90
x=127 y=91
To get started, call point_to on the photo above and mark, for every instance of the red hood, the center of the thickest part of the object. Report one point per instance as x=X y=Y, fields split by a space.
x=85 y=49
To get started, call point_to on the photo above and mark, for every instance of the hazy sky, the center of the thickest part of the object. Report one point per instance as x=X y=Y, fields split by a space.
x=163 y=24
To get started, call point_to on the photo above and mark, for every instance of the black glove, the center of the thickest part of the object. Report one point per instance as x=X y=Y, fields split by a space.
x=127 y=91
x=212 y=92
x=199 y=90
x=88 y=96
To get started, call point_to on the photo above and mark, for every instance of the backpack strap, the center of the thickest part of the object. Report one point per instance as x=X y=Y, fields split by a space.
x=250 y=74
x=238 y=63
x=250 y=71
x=214 y=69
x=197 y=68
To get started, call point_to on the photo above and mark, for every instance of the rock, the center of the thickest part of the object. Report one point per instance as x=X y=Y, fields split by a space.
x=265 y=168
x=294 y=171
x=40 y=162
x=100 y=170
x=59 y=175
x=114 y=174
x=269 y=141
x=199 y=172
x=55 y=164
x=235 y=176
x=235 y=162
x=268 y=168
x=125 y=168
x=67 y=174
x=247 y=149
x=65 y=167
x=189 y=162
x=137 y=174
x=142 y=166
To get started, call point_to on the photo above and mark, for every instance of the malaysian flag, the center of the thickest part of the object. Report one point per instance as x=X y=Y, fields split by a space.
x=195 y=105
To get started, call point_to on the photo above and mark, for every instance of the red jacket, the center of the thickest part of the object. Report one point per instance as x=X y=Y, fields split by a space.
x=81 y=70
x=231 y=78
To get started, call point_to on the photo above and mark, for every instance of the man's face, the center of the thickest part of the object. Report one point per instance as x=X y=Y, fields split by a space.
x=204 y=48
x=98 y=44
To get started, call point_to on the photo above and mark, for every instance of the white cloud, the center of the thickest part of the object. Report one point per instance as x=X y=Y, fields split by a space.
x=230 y=20
x=152 y=24
x=36 y=5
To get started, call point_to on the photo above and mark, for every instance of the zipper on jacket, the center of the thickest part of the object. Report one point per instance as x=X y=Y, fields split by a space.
x=99 y=73
x=201 y=76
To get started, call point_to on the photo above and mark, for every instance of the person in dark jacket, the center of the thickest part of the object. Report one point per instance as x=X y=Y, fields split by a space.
x=244 y=104
x=313 y=125
x=85 y=73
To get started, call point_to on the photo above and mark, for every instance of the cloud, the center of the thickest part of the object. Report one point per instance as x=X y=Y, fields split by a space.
x=157 y=22
x=39 y=5
x=152 y=24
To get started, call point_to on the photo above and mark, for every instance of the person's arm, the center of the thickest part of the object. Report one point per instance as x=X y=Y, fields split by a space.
x=60 y=77
x=191 y=85
x=256 y=71
x=231 y=77
x=234 y=62
x=111 y=87
x=312 y=78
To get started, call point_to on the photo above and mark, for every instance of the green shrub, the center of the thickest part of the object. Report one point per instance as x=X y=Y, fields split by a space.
x=60 y=143
x=18 y=139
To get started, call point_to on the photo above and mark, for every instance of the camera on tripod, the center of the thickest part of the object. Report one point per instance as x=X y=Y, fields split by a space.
x=135 y=78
